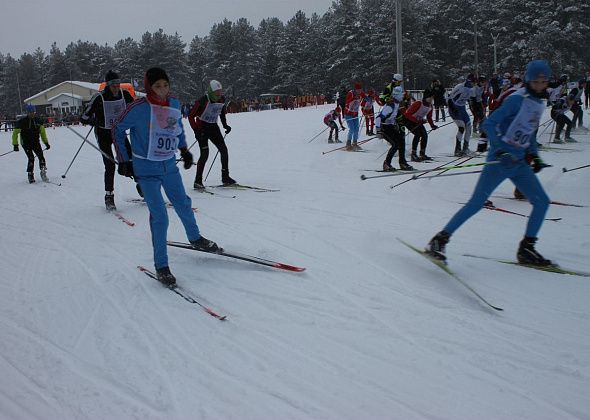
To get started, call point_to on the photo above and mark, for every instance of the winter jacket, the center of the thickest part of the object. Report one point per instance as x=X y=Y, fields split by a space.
x=94 y=113
x=29 y=129
x=202 y=113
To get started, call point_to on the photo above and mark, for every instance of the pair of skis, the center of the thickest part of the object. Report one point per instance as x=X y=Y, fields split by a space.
x=189 y=297
x=443 y=266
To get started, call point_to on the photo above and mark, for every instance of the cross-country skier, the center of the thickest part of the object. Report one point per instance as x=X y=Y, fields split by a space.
x=30 y=128
x=512 y=131
x=330 y=120
x=156 y=133
x=558 y=110
x=414 y=118
x=439 y=92
x=101 y=112
x=389 y=127
x=457 y=100
x=369 y=111
x=351 y=114
x=203 y=120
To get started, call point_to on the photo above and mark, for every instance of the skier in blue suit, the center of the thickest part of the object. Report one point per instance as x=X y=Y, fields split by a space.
x=155 y=123
x=512 y=133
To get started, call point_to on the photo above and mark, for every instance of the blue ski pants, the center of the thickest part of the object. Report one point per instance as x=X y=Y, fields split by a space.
x=353 y=129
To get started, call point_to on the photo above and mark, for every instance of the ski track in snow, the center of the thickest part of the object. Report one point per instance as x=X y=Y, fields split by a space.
x=369 y=330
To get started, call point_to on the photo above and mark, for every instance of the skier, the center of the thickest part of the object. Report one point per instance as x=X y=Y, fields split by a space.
x=351 y=113
x=389 y=127
x=476 y=103
x=369 y=112
x=576 y=95
x=30 y=128
x=330 y=120
x=587 y=89
x=414 y=118
x=558 y=110
x=101 y=112
x=396 y=80
x=439 y=91
x=512 y=131
x=456 y=104
x=156 y=132
x=203 y=120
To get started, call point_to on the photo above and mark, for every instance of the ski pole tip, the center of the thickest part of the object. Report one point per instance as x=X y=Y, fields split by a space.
x=564 y=169
x=363 y=177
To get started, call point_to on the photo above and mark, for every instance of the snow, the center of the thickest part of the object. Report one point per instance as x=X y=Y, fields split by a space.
x=371 y=330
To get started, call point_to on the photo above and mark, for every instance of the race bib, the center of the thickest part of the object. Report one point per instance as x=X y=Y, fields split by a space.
x=165 y=129
x=524 y=124
x=112 y=111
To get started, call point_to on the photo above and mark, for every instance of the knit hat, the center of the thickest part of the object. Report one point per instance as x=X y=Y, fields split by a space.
x=112 y=78
x=214 y=85
x=397 y=77
x=537 y=69
x=154 y=74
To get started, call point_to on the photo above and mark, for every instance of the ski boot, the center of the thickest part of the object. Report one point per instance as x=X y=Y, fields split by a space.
x=570 y=139
x=356 y=147
x=388 y=168
x=414 y=157
x=437 y=246
x=348 y=147
x=204 y=244
x=424 y=157
x=406 y=167
x=31 y=177
x=43 y=173
x=557 y=140
x=198 y=185
x=330 y=139
x=527 y=254
x=109 y=201
x=165 y=277
x=518 y=195
x=226 y=179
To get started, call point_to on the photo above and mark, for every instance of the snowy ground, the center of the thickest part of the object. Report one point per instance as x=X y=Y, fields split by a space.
x=370 y=331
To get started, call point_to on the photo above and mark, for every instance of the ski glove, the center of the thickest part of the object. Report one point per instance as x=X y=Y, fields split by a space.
x=227 y=129
x=537 y=163
x=187 y=157
x=15 y=147
x=47 y=146
x=126 y=169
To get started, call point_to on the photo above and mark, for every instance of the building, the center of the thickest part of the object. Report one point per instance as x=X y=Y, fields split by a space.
x=65 y=98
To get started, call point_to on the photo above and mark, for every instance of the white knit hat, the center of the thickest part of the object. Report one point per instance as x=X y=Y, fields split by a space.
x=214 y=85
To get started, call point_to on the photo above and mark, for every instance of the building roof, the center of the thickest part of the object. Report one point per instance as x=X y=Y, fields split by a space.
x=74 y=96
x=86 y=85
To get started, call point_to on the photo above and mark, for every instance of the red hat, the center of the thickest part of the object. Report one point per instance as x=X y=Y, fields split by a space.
x=358 y=85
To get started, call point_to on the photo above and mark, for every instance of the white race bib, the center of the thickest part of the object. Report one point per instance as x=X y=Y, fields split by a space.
x=211 y=112
x=164 y=131
x=524 y=124
x=112 y=111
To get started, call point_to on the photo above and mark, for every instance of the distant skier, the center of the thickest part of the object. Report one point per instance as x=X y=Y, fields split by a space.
x=369 y=112
x=456 y=103
x=203 y=120
x=439 y=93
x=388 y=123
x=156 y=133
x=512 y=131
x=330 y=120
x=558 y=110
x=351 y=115
x=415 y=116
x=30 y=128
x=101 y=112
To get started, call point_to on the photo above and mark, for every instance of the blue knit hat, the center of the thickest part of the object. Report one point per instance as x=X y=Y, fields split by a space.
x=537 y=69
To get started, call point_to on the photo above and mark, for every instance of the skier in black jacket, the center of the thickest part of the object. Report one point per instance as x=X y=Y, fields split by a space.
x=101 y=112
x=30 y=129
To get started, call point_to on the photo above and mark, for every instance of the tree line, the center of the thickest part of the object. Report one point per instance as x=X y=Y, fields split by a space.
x=353 y=41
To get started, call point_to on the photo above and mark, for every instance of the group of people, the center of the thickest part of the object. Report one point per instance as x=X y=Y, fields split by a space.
x=149 y=157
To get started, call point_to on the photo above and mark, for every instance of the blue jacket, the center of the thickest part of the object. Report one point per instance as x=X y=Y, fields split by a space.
x=498 y=123
x=136 y=119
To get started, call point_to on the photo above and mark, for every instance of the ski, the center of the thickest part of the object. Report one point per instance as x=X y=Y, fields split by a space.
x=549 y=268
x=206 y=191
x=492 y=207
x=244 y=187
x=183 y=294
x=243 y=257
x=168 y=204
x=447 y=270
x=122 y=218
x=556 y=203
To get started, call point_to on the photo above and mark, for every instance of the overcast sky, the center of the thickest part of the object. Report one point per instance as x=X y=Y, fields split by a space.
x=28 y=24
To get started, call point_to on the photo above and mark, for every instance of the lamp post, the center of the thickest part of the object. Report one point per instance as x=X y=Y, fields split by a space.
x=495 y=38
x=475 y=39
x=398 y=36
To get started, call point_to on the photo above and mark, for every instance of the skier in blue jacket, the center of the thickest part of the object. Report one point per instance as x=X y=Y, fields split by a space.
x=458 y=98
x=155 y=124
x=512 y=133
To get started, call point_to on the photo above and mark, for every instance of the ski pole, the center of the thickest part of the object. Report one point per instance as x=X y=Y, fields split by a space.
x=418 y=176
x=317 y=135
x=4 y=154
x=344 y=147
x=213 y=161
x=575 y=169
x=460 y=163
x=90 y=143
x=439 y=176
x=493 y=162
x=440 y=126
x=76 y=155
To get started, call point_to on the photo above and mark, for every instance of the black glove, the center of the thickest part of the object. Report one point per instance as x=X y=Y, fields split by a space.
x=47 y=146
x=227 y=129
x=536 y=162
x=126 y=169
x=187 y=157
x=15 y=147
x=88 y=121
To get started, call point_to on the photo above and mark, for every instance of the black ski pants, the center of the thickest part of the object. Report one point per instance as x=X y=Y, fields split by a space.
x=105 y=143
x=203 y=135
x=396 y=137
x=32 y=148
